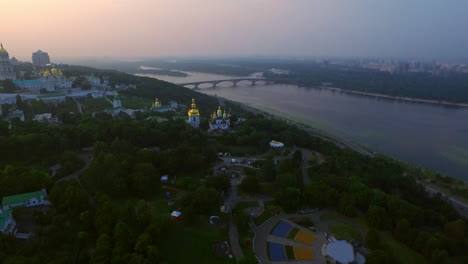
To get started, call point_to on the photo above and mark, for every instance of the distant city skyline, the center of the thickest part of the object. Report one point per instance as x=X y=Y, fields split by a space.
x=151 y=28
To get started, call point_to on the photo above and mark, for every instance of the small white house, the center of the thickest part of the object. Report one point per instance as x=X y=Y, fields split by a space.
x=43 y=117
x=26 y=199
x=7 y=223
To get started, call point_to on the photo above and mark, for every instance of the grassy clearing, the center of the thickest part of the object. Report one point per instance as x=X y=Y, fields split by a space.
x=273 y=228
x=401 y=252
x=245 y=205
x=292 y=234
x=313 y=160
x=194 y=244
x=345 y=231
x=94 y=105
x=267 y=214
x=327 y=216
x=289 y=252
x=134 y=102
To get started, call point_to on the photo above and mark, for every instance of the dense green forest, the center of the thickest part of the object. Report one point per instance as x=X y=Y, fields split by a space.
x=117 y=210
x=452 y=88
x=382 y=190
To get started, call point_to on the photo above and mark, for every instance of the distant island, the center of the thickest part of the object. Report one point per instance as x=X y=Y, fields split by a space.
x=163 y=72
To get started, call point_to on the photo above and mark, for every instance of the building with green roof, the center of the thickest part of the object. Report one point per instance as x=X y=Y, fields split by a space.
x=7 y=223
x=25 y=199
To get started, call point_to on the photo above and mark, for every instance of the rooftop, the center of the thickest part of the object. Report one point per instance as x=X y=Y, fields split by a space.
x=341 y=251
x=24 y=197
x=17 y=82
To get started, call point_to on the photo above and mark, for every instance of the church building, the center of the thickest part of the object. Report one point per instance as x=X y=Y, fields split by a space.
x=220 y=120
x=158 y=107
x=194 y=115
x=6 y=69
x=117 y=103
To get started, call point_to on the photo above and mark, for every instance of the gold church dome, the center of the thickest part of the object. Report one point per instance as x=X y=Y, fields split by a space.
x=46 y=73
x=56 y=72
x=193 y=109
x=2 y=49
x=156 y=103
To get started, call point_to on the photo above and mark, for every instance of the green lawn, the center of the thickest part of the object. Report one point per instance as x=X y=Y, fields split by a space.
x=289 y=252
x=267 y=214
x=195 y=243
x=245 y=205
x=345 y=231
x=327 y=216
x=400 y=251
x=292 y=234
x=91 y=105
x=133 y=102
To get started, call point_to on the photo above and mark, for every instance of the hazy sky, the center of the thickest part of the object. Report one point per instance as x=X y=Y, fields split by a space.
x=128 y=28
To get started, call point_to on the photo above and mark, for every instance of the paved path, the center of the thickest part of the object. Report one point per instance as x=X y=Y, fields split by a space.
x=76 y=176
x=461 y=207
x=79 y=106
x=234 y=239
x=306 y=154
x=229 y=203
x=285 y=241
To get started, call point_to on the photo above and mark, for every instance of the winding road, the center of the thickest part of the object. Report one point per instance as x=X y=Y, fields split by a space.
x=460 y=207
x=76 y=176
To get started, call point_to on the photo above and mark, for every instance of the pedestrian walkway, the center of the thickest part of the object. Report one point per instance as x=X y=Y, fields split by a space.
x=234 y=239
x=286 y=241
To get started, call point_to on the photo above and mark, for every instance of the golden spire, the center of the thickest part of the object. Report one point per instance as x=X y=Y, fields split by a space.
x=2 y=49
x=193 y=109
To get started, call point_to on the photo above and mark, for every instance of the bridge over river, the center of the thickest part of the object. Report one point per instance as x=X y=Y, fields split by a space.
x=234 y=82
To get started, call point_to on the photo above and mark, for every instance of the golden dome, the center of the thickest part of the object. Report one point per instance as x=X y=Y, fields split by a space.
x=156 y=103
x=46 y=73
x=220 y=112
x=56 y=71
x=2 y=49
x=193 y=109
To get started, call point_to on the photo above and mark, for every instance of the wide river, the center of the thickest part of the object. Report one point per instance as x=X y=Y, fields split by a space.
x=428 y=135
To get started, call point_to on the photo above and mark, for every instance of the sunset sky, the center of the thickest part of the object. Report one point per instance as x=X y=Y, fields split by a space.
x=131 y=28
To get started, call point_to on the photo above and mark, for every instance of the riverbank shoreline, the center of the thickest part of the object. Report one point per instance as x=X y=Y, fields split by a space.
x=397 y=98
x=354 y=147
x=306 y=127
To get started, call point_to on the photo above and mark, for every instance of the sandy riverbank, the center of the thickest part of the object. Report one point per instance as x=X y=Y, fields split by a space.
x=414 y=100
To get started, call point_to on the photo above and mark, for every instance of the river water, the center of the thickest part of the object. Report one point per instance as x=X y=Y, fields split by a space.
x=428 y=135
